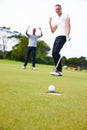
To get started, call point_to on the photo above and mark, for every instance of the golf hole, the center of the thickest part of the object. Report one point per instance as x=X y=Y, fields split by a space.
x=54 y=93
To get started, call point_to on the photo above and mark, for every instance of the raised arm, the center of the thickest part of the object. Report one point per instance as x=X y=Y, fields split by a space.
x=27 y=31
x=41 y=34
x=52 y=28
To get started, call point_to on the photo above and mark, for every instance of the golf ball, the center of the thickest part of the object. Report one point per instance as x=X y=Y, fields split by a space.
x=51 y=88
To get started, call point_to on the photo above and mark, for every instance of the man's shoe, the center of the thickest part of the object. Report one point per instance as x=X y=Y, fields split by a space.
x=56 y=73
x=60 y=73
x=23 y=67
x=33 y=68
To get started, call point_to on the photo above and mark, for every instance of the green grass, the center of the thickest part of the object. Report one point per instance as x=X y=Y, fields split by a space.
x=25 y=105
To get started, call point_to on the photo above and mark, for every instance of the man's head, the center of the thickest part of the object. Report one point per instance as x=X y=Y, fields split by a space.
x=34 y=31
x=58 y=9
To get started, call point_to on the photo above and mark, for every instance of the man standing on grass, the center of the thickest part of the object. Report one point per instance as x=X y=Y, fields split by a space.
x=32 y=47
x=62 y=27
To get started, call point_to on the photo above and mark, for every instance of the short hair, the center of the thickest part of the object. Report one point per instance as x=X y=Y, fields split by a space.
x=58 y=5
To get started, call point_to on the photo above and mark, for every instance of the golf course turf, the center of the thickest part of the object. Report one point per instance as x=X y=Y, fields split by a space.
x=26 y=105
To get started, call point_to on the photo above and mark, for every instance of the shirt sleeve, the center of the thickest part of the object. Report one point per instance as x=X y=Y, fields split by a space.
x=67 y=16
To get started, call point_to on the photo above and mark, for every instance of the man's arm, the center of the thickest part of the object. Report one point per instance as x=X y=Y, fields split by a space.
x=68 y=26
x=27 y=31
x=52 y=28
x=41 y=34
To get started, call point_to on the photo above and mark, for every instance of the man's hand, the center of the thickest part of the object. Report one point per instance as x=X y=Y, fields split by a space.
x=68 y=38
x=41 y=34
x=40 y=28
x=28 y=27
x=52 y=28
x=27 y=31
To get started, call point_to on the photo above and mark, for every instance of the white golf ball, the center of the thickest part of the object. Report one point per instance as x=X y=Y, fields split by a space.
x=51 y=88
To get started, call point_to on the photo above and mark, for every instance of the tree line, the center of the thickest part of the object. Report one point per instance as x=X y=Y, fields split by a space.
x=18 y=53
x=75 y=62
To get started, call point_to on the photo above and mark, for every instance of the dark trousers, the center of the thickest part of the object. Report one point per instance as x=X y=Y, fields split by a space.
x=29 y=50
x=58 y=44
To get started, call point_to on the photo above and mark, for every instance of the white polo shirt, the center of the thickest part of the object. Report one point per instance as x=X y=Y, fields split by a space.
x=62 y=30
x=32 y=41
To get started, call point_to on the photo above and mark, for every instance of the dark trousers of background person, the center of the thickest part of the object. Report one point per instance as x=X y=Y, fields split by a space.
x=58 y=44
x=29 y=50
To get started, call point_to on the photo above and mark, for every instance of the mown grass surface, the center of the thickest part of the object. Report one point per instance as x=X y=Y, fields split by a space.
x=25 y=105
